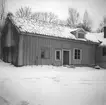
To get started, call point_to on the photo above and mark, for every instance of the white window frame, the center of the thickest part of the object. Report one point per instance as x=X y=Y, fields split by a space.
x=80 y=53
x=77 y=33
x=69 y=55
x=80 y=33
x=45 y=49
x=55 y=55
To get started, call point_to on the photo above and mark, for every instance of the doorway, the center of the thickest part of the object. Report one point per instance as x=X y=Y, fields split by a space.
x=66 y=57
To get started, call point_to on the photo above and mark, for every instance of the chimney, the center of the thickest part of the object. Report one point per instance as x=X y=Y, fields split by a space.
x=105 y=27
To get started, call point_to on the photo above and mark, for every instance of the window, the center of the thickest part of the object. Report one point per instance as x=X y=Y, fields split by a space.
x=42 y=53
x=45 y=53
x=104 y=51
x=81 y=35
x=77 y=54
x=58 y=55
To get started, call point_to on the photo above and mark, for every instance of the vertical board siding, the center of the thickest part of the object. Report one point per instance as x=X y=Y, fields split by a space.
x=99 y=52
x=26 y=47
x=20 y=53
x=24 y=51
x=29 y=50
x=31 y=54
x=42 y=42
x=100 y=59
x=33 y=44
x=34 y=50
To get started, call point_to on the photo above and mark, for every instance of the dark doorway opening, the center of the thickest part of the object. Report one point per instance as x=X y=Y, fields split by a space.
x=8 y=54
x=65 y=57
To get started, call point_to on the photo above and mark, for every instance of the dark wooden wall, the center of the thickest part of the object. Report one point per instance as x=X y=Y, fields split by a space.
x=30 y=50
x=9 y=43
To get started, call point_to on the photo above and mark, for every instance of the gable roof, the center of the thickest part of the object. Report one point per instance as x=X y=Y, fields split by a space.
x=79 y=30
x=43 y=28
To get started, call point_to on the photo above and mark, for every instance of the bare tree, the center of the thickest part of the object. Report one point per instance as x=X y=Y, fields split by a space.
x=39 y=16
x=101 y=27
x=51 y=17
x=48 y=17
x=24 y=12
x=2 y=12
x=60 y=22
x=73 y=19
x=2 y=9
x=44 y=16
x=87 y=22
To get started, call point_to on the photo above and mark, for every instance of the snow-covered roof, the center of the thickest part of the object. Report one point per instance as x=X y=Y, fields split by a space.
x=96 y=37
x=43 y=28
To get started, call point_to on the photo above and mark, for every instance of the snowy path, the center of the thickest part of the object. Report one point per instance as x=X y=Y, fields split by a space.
x=50 y=85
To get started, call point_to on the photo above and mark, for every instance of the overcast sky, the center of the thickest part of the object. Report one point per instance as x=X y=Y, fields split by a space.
x=96 y=8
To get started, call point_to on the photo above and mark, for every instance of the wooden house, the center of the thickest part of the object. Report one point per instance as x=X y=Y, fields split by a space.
x=25 y=42
x=101 y=50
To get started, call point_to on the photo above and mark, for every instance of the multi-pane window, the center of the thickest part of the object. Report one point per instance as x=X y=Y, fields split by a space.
x=77 y=54
x=58 y=55
x=81 y=35
x=45 y=53
x=104 y=51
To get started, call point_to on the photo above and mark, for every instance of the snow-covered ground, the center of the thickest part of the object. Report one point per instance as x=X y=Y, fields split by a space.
x=49 y=85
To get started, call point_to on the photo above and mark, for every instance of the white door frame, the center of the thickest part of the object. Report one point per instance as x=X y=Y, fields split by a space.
x=69 y=55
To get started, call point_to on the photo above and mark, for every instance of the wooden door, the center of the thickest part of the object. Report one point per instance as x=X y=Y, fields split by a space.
x=65 y=57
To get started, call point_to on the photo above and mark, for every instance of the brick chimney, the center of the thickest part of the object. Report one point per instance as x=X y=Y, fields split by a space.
x=105 y=27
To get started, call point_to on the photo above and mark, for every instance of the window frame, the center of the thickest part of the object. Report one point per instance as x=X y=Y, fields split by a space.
x=41 y=53
x=56 y=55
x=45 y=49
x=77 y=54
x=81 y=33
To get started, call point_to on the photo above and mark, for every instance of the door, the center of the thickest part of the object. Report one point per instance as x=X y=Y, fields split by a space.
x=65 y=57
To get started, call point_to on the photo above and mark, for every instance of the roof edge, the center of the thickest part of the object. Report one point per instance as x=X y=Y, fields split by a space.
x=62 y=38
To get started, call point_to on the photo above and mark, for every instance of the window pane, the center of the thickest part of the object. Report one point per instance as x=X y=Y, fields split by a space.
x=80 y=35
x=75 y=50
x=77 y=54
x=58 y=55
x=45 y=53
x=75 y=57
x=42 y=54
